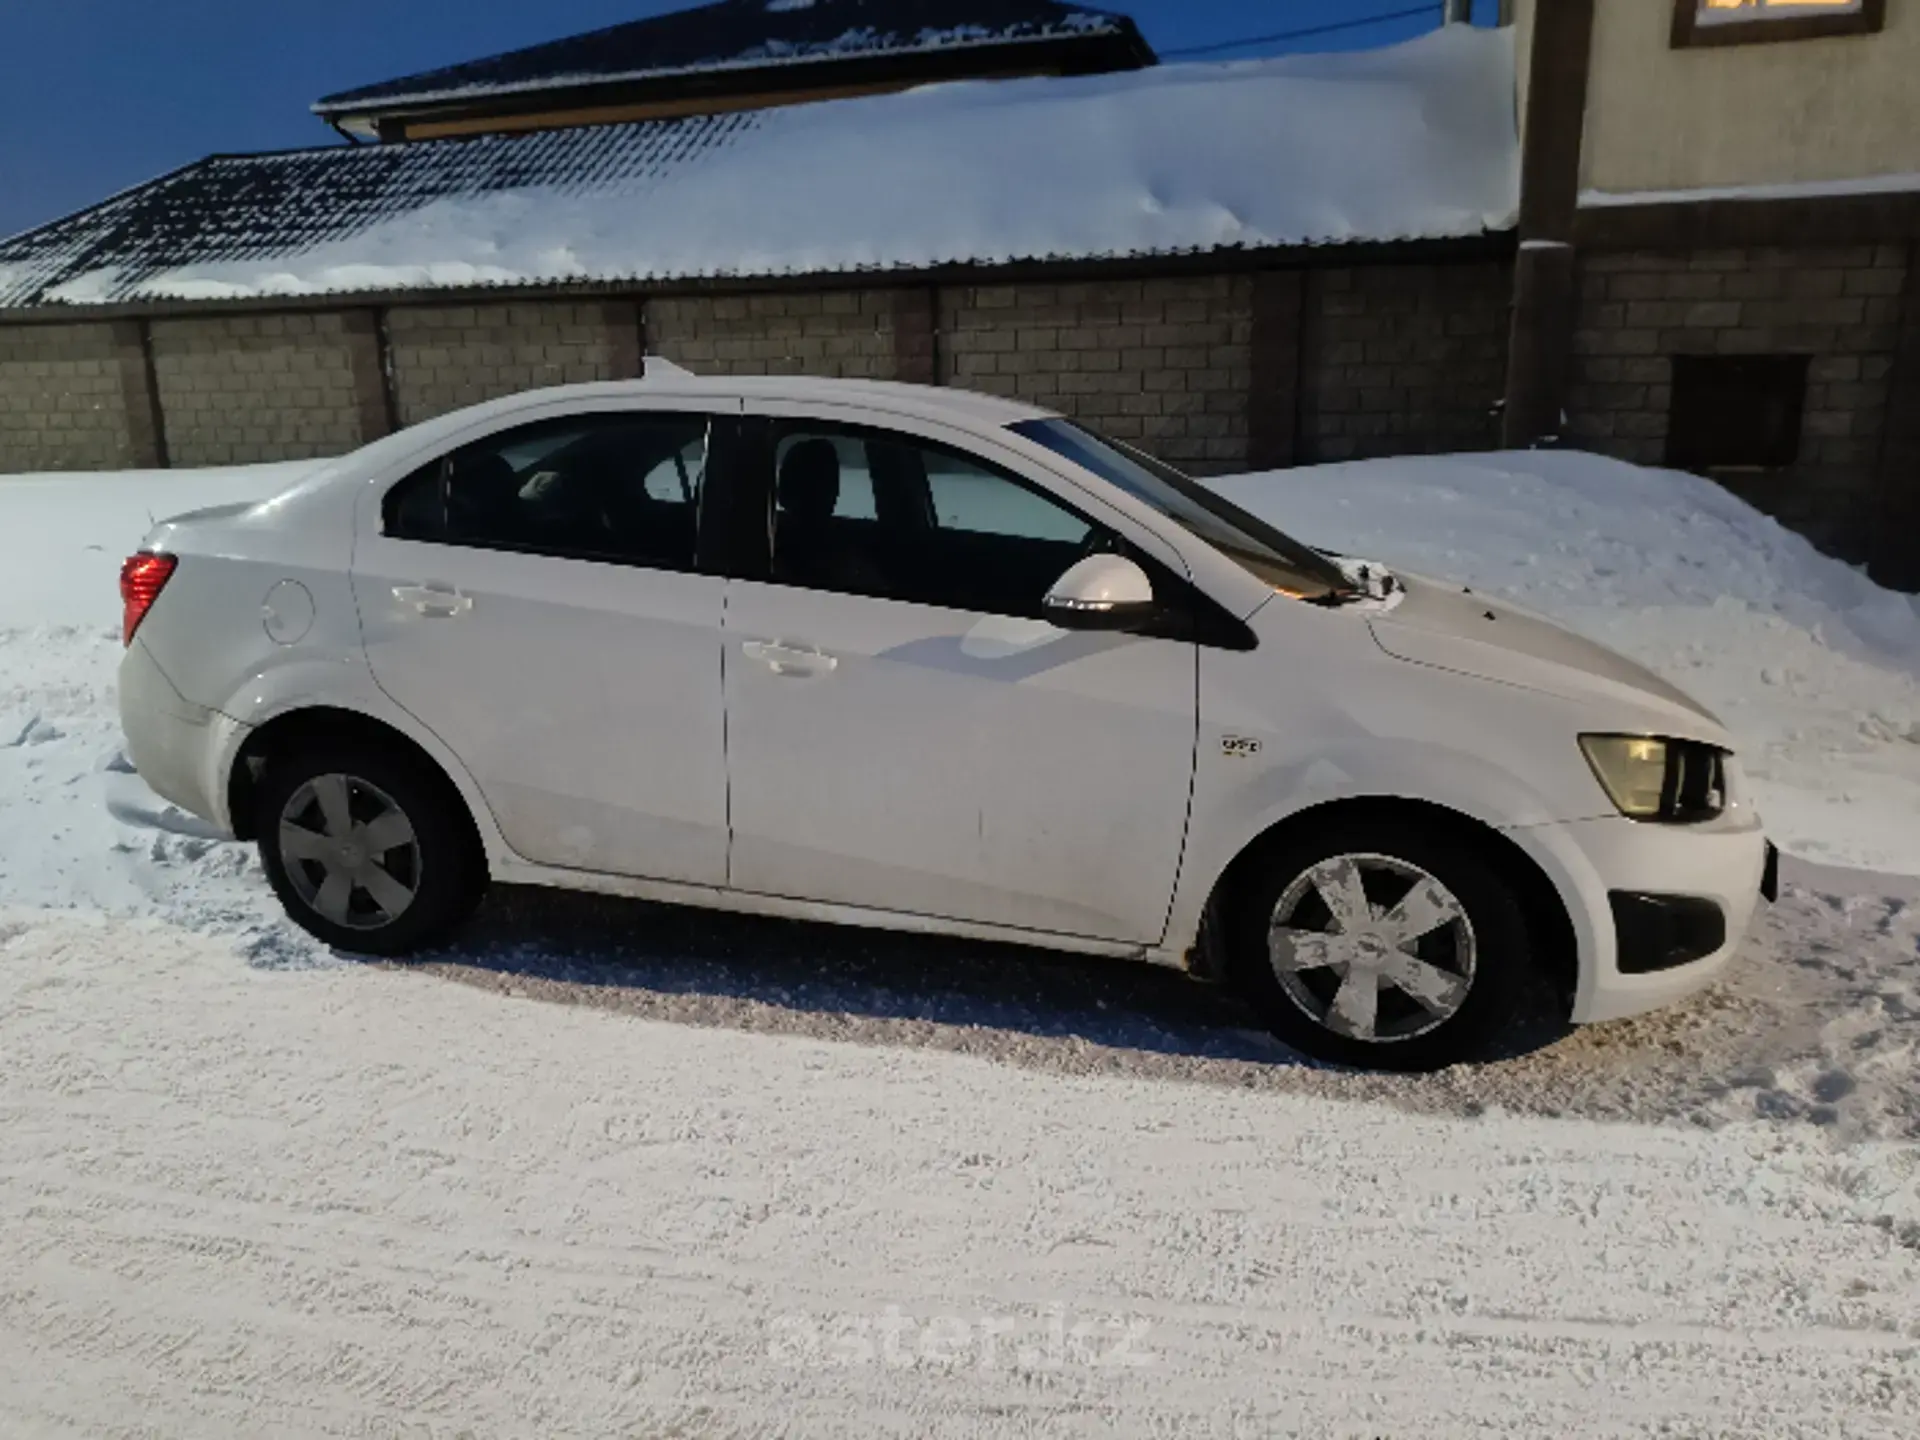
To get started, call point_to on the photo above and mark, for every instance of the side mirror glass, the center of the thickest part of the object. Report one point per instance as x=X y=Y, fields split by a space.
x=1101 y=592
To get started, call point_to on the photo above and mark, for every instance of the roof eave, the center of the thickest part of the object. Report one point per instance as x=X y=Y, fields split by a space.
x=1482 y=244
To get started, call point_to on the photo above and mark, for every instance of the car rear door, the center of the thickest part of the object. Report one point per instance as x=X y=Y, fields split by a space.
x=533 y=597
x=905 y=732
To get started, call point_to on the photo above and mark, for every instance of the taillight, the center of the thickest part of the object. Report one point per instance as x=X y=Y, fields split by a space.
x=142 y=579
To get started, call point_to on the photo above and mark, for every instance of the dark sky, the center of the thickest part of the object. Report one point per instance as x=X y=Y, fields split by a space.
x=99 y=95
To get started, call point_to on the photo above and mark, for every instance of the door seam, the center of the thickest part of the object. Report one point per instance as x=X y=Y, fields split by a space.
x=726 y=729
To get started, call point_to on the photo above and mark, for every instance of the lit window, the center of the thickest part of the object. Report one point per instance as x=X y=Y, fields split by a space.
x=1744 y=22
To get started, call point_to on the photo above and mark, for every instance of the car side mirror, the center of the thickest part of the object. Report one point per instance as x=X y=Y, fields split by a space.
x=1101 y=592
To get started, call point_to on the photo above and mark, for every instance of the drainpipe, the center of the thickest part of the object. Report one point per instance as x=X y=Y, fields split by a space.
x=1540 y=343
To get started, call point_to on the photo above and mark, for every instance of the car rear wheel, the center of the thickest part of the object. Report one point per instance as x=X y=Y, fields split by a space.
x=365 y=851
x=1379 y=944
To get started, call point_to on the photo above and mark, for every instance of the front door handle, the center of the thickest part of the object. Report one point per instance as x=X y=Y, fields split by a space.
x=436 y=601
x=785 y=659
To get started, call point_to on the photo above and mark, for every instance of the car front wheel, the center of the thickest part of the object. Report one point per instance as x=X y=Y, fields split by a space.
x=365 y=851
x=1380 y=944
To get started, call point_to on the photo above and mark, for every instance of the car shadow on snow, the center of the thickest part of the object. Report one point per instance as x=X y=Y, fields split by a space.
x=692 y=966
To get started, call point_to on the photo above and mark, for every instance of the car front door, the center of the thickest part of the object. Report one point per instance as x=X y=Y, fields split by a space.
x=905 y=732
x=533 y=598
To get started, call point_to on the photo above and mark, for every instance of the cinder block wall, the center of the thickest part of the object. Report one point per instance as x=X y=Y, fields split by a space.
x=1840 y=306
x=1164 y=363
x=62 y=406
x=840 y=334
x=1396 y=359
x=1402 y=359
x=445 y=357
x=245 y=388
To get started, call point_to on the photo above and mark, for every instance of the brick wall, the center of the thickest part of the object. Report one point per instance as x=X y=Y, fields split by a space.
x=248 y=388
x=62 y=404
x=448 y=356
x=1402 y=359
x=840 y=334
x=1838 y=306
x=1165 y=363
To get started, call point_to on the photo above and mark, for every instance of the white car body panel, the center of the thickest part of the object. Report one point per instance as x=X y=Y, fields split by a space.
x=615 y=765
x=941 y=765
x=948 y=771
x=860 y=763
x=610 y=755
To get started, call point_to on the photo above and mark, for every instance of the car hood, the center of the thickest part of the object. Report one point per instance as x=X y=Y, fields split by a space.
x=1455 y=629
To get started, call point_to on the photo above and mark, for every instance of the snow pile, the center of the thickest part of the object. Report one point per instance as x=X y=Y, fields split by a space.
x=82 y=526
x=77 y=827
x=1813 y=666
x=1413 y=141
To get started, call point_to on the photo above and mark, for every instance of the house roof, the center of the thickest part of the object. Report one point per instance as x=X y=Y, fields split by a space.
x=1413 y=142
x=740 y=35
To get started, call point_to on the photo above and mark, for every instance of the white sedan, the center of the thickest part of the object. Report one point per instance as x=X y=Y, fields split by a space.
x=911 y=657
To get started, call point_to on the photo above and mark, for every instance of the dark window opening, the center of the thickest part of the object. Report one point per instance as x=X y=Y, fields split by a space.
x=870 y=513
x=1272 y=557
x=624 y=488
x=1736 y=412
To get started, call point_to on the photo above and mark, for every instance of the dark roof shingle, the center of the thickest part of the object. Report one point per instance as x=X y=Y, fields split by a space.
x=737 y=34
x=236 y=208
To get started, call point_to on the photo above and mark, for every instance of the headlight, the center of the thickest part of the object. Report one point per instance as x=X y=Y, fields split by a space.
x=1678 y=782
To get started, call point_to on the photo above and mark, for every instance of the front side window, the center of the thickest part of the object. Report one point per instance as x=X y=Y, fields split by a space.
x=1744 y=22
x=615 y=487
x=870 y=512
x=1275 y=558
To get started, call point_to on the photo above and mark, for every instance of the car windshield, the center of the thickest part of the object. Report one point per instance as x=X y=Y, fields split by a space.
x=1275 y=558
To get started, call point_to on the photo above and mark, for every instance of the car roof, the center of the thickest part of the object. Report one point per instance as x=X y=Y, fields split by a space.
x=963 y=408
x=935 y=402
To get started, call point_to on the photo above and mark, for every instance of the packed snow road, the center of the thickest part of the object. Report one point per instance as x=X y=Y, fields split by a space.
x=346 y=1201
x=250 y=1188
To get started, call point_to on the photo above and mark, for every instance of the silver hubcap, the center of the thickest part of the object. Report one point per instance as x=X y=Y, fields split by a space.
x=1372 y=948
x=350 y=852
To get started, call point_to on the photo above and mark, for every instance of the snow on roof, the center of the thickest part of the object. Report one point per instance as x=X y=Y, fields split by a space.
x=742 y=34
x=1412 y=142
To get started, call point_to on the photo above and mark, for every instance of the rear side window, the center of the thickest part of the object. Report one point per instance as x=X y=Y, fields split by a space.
x=615 y=487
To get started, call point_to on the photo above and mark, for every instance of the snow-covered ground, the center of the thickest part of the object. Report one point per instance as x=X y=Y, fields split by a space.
x=611 y=1169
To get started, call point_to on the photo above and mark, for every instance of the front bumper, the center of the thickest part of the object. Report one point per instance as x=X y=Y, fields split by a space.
x=1590 y=861
x=180 y=749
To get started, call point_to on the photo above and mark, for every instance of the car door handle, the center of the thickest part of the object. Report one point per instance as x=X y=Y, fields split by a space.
x=784 y=659
x=437 y=602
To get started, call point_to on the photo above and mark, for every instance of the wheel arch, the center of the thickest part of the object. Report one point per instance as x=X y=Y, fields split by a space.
x=1552 y=940
x=294 y=728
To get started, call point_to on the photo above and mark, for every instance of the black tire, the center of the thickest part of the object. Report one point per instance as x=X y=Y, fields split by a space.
x=442 y=865
x=1489 y=957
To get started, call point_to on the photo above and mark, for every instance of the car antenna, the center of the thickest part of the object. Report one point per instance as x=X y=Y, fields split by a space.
x=659 y=367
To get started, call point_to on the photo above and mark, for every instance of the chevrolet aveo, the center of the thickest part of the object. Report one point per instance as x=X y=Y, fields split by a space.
x=908 y=657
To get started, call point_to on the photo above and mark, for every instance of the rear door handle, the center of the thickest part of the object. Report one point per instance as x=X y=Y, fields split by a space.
x=434 y=600
x=785 y=659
